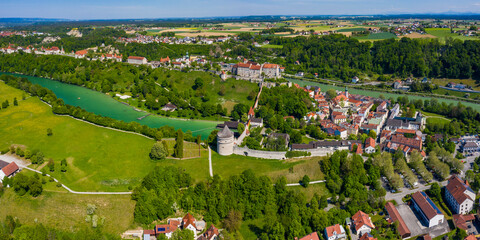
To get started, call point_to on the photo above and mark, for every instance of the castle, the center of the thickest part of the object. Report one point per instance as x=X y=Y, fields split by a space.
x=225 y=141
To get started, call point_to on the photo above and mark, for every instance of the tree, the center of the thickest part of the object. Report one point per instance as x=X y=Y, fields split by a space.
x=240 y=127
x=158 y=151
x=15 y=102
x=331 y=93
x=51 y=165
x=63 y=165
x=49 y=132
x=178 y=152
x=435 y=191
x=233 y=221
x=372 y=134
x=199 y=83
x=305 y=181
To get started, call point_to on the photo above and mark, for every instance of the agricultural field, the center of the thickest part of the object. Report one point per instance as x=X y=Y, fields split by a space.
x=418 y=35
x=377 y=36
x=443 y=33
x=271 y=46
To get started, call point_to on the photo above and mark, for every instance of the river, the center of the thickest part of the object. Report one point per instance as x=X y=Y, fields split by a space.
x=104 y=105
x=325 y=87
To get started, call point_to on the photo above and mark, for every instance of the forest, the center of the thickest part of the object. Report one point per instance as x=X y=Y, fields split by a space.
x=287 y=214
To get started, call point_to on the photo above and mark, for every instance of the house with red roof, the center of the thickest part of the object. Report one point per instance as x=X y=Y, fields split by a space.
x=362 y=223
x=462 y=221
x=211 y=233
x=369 y=145
x=335 y=232
x=166 y=229
x=394 y=216
x=311 y=236
x=80 y=53
x=367 y=236
x=136 y=60
x=188 y=222
x=8 y=170
x=460 y=197
x=429 y=213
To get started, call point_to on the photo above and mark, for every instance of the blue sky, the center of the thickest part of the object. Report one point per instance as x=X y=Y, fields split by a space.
x=115 y=9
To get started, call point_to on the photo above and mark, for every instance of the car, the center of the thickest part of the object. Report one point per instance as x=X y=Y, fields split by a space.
x=393 y=191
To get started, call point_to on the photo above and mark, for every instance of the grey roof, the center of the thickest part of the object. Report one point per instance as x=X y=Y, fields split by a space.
x=396 y=123
x=470 y=145
x=256 y=120
x=3 y=164
x=225 y=133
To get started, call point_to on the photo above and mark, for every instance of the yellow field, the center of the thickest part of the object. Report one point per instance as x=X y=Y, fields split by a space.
x=418 y=35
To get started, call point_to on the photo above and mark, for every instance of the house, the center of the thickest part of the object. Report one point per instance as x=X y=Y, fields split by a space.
x=311 y=236
x=256 y=122
x=369 y=145
x=211 y=234
x=148 y=233
x=166 y=229
x=470 y=147
x=382 y=107
x=470 y=237
x=136 y=60
x=188 y=222
x=335 y=232
x=462 y=221
x=367 y=236
x=362 y=223
x=396 y=217
x=355 y=79
x=430 y=215
x=460 y=197
x=169 y=107
x=80 y=54
x=8 y=170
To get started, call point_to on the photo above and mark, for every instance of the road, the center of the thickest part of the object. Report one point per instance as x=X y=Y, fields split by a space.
x=22 y=165
x=210 y=161
x=405 y=191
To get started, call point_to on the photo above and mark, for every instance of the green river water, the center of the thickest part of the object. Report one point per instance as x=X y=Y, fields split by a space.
x=104 y=105
x=325 y=87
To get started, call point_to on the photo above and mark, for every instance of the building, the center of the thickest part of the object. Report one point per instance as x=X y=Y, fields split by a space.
x=188 y=222
x=169 y=107
x=8 y=169
x=470 y=147
x=311 y=236
x=166 y=229
x=211 y=234
x=256 y=122
x=459 y=196
x=80 y=54
x=367 y=236
x=225 y=141
x=335 y=232
x=362 y=223
x=396 y=217
x=462 y=221
x=430 y=215
x=369 y=145
x=136 y=60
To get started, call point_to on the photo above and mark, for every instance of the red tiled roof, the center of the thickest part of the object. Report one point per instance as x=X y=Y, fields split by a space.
x=255 y=67
x=10 y=169
x=395 y=216
x=81 y=52
x=471 y=237
x=369 y=142
x=243 y=65
x=311 y=236
x=211 y=232
x=360 y=218
x=411 y=142
x=461 y=220
x=401 y=130
x=457 y=188
x=149 y=231
x=136 y=58
x=188 y=220
x=269 y=65
x=367 y=236
x=427 y=237
x=251 y=112
x=422 y=202
x=165 y=228
x=331 y=229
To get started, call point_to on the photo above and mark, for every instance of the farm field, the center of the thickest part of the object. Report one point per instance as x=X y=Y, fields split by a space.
x=271 y=46
x=377 y=36
x=418 y=35
x=443 y=33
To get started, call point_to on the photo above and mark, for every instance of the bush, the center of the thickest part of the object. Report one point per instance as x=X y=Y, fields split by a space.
x=292 y=154
x=5 y=150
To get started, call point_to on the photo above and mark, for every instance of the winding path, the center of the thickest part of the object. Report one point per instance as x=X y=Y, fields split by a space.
x=21 y=164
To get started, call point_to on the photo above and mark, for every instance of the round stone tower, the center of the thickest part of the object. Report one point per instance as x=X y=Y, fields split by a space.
x=225 y=142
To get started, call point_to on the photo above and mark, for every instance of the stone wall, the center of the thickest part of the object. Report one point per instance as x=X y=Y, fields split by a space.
x=258 y=154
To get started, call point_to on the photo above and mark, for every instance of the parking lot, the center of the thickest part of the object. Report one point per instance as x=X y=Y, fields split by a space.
x=416 y=227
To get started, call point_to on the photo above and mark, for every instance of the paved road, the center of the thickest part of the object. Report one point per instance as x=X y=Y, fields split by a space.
x=210 y=161
x=298 y=184
x=405 y=191
x=21 y=164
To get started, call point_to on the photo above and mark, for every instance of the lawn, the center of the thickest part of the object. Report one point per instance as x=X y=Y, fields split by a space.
x=470 y=82
x=443 y=33
x=308 y=166
x=272 y=46
x=319 y=188
x=68 y=211
x=435 y=120
x=442 y=91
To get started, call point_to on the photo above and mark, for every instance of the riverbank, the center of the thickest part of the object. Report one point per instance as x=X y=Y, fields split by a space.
x=386 y=94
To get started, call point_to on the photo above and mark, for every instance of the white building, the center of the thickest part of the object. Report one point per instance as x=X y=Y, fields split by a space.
x=136 y=60
x=460 y=197
x=362 y=223
x=225 y=141
x=429 y=213
x=335 y=232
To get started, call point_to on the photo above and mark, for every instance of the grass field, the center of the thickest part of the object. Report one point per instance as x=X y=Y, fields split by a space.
x=442 y=91
x=356 y=29
x=470 y=82
x=68 y=211
x=443 y=33
x=272 y=46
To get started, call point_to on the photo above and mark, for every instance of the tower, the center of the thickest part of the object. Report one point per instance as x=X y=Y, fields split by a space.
x=346 y=92
x=225 y=142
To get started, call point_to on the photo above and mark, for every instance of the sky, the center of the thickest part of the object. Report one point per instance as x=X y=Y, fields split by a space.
x=139 y=9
